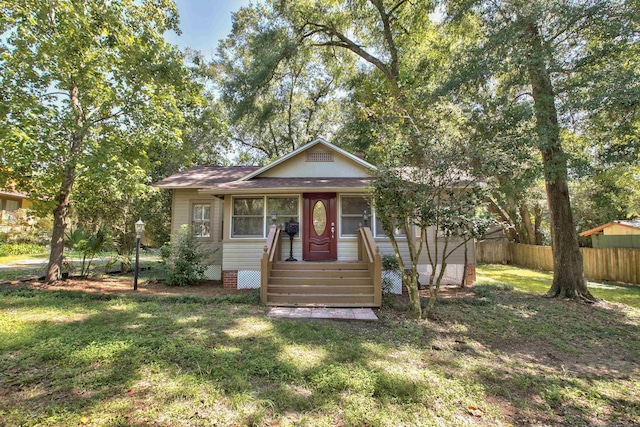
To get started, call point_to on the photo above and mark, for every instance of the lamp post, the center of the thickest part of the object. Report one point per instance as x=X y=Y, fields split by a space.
x=139 y=230
x=365 y=218
x=274 y=217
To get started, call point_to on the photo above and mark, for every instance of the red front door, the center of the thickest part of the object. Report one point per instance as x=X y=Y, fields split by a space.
x=319 y=227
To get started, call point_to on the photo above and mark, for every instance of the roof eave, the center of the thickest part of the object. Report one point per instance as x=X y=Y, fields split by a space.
x=275 y=190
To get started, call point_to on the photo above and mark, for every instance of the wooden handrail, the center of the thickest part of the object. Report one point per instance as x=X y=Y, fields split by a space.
x=367 y=247
x=274 y=244
x=269 y=255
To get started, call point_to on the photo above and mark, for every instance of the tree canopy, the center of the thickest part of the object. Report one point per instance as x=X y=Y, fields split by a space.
x=88 y=89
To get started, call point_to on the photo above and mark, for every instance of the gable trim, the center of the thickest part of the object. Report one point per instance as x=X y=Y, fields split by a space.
x=306 y=147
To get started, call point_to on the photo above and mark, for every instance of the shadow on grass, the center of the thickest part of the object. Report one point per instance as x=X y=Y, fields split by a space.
x=91 y=358
x=131 y=357
x=570 y=362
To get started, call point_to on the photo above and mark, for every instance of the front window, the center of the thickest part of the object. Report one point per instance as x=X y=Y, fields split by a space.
x=248 y=217
x=286 y=209
x=251 y=216
x=351 y=216
x=351 y=211
x=201 y=221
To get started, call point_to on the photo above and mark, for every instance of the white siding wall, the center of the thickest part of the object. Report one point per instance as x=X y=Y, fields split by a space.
x=183 y=200
x=297 y=248
x=238 y=255
x=347 y=250
x=457 y=257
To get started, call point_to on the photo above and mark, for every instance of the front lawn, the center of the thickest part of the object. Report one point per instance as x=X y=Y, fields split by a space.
x=70 y=358
x=539 y=282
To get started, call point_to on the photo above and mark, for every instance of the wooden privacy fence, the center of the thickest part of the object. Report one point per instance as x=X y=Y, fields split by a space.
x=616 y=264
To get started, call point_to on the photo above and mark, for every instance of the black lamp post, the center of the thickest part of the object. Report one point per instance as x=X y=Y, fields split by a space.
x=139 y=230
x=274 y=217
x=293 y=227
x=365 y=218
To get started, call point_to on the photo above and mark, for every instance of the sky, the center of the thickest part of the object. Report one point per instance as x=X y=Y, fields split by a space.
x=203 y=23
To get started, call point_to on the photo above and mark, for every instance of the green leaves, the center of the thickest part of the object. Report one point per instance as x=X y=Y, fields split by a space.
x=88 y=89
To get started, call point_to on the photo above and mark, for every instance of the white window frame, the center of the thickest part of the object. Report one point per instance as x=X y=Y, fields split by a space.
x=372 y=220
x=233 y=216
x=265 y=215
x=207 y=204
x=342 y=196
x=267 y=219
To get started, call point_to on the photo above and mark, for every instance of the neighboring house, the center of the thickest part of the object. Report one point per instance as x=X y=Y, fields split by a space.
x=322 y=187
x=616 y=234
x=11 y=201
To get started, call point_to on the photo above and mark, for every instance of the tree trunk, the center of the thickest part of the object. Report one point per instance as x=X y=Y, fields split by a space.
x=568 y=273
x=526 y=222
x=54 y=269
x=505 y=220
x=537 y=222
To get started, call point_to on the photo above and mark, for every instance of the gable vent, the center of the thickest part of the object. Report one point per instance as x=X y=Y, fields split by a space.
x=319 y=156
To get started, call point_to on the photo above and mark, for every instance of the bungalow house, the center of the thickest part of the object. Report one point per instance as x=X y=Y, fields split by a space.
x=241 y=212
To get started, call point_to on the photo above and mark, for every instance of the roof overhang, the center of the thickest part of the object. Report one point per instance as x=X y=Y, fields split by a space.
x=283 y=190
x=602 y=227
x=13 y=195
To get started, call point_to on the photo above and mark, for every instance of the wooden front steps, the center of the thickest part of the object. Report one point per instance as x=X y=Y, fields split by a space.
x=320 y=284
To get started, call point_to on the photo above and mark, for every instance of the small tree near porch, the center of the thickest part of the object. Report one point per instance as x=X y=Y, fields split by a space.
x=435 y=197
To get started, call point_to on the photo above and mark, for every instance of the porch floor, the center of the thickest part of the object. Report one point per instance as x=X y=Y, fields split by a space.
x=365 y=314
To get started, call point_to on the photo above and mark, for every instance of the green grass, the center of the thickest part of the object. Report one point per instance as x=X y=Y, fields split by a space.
x=69 y=358
x=539 y=282
x=16 y=259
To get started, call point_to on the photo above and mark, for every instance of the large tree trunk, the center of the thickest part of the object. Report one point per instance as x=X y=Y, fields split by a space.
x=54 y=270
x=568 y=273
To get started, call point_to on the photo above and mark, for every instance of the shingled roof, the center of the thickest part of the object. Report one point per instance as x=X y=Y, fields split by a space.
x=205 y=176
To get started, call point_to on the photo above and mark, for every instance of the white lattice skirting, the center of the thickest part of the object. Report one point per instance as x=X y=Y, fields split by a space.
x=391 y=282
x=213 y=272
x=248 y=279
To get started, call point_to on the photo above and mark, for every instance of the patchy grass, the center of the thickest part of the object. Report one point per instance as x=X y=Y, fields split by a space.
x=70 y=358
x=152 y=269
x=16 y=259
x=539 y=282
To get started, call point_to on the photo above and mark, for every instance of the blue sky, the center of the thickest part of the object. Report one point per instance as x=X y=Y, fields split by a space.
x=204 y=22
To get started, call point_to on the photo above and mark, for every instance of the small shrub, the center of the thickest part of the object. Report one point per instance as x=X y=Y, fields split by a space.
x=7 y=249
x=186 y=256
x=390 y=262
x=165 y=252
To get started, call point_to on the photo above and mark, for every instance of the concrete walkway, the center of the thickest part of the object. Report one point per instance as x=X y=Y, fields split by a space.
x=365 y=314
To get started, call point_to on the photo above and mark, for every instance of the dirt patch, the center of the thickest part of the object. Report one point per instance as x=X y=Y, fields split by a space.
x=118 y=285
x=445 y=292
x=209 y=288
x=450 y=292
